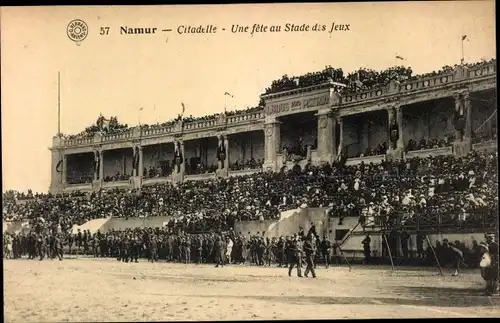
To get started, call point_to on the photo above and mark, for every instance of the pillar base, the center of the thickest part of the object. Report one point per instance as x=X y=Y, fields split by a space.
x=224 y=172
x=269 y=166
x=462 y=148
x=177 y=178
x=136 y=182
x=57 y=189
x=395 y=154
x=326 y=159
x=96 y=185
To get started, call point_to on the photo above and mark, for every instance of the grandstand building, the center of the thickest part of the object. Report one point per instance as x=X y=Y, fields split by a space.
x=314 y=124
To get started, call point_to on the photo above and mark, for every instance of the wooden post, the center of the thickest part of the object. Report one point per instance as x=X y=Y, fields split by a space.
x=435 y=256
x=345 y=258
x=389 y=250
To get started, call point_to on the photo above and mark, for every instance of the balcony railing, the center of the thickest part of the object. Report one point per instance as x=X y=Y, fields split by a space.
x=376 y=159
x=478 y=220
x=425 y=82
x=424 y=153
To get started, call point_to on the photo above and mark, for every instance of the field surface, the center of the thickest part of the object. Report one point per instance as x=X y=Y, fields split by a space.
x=107 y=290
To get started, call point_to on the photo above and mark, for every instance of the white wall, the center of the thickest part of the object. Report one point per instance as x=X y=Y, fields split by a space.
x=205 y=148
x=79 y=164
x=432 y=119
x=118 y=160
x=244 y=146
x=152 y=155
x=293 y=128
x=364 y=131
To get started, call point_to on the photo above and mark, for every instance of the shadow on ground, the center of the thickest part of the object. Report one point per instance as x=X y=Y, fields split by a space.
x=428 y=296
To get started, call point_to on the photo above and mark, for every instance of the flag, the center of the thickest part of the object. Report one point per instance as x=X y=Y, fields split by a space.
x=183 y=107
x=464 y=37
x=399 y=57
x=227 y=93
x=59 y=165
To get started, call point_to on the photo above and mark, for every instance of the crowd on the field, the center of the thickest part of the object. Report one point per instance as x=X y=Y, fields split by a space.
x=225 y=247
x=175 y=245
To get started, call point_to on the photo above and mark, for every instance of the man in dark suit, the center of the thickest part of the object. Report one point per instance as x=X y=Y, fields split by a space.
x=297 y=247
x=309 y=251
x=219 y=252
x=325 y=250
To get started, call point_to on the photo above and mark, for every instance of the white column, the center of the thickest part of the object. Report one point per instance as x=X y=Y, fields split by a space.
x=140 y=168
x=101 y=165
x=272 y=143
x=462 y=111
x=463 y=124
x=340 y=121
x=64 y=168
x=326 y=136
x=96 y=161
x=395 y=117
x=183 y=164
x=226 y=144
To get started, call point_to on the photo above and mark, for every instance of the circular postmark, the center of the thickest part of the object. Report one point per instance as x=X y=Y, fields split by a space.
x=77 y=30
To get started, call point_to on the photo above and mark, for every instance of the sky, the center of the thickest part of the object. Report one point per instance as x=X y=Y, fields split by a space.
x=117 y=74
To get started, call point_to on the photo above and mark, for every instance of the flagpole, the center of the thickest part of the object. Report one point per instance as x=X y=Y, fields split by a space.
x=462 y=60
x=59 y=135
x=59 y=103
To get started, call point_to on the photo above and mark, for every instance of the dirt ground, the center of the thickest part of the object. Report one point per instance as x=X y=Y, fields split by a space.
x=107 y=290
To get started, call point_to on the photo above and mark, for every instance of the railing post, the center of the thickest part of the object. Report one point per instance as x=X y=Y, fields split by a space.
x=440 y=218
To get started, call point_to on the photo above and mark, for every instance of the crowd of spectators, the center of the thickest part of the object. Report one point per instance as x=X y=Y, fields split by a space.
x=484 y=136
x=79 y=178
x=117 y=177
x=200 y=168
x=380 y=149
x=251 y=163
x=156 y=171
x=113 y=127
x=361 y=80
x=289 y=83
x=455 y=190
x=102 y=125
x=299 y=150
x=430 y=143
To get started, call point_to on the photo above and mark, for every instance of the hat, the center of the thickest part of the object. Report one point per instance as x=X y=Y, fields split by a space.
x=484 y=245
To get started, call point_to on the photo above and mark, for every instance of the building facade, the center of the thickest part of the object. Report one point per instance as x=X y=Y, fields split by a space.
x=306 y=125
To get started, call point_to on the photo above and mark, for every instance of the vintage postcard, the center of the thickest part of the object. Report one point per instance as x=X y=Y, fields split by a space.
x=249 y=161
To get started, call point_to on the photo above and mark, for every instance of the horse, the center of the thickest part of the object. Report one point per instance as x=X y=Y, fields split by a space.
x=489 y=272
